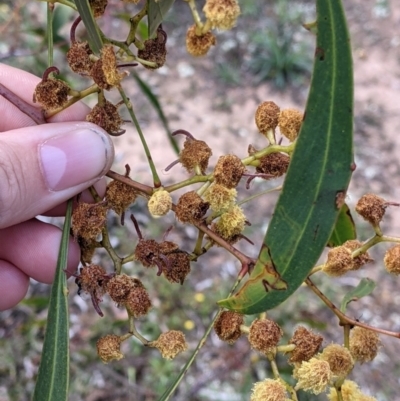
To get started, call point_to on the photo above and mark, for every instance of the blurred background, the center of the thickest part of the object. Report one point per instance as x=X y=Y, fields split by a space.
x=267 y=56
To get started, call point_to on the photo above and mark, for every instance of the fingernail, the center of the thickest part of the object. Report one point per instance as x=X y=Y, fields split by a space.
x=74 y=158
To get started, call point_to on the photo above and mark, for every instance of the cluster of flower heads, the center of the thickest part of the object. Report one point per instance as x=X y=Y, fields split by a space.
x=351 y=256
x=315 y=371
x=219 y=14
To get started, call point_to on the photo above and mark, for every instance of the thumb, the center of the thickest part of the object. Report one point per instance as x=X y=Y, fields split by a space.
x=44 y=165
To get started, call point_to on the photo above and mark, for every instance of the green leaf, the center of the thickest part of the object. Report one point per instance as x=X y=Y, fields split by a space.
x=364 y=288
x=53 y=378
x=88 y=20
x=156 y=104
x=345 y=229
x=318 y=174
x=156 y=12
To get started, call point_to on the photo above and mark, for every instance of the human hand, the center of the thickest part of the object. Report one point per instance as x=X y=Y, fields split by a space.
x=41 y=166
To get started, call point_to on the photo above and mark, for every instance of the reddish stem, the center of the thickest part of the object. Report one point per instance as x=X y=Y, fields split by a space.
x=135 y=223
x=48 y=71
x=73 y=29
x=183 y=132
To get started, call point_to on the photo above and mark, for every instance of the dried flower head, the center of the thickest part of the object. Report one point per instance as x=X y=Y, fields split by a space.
x=92 y=279
x=87 y=248
x=138 y=302
x=222 y=14
x=364 y=344
x=339 y=358
x=170 y=344
x=199 y=45
x=392 y=260
x=177 y=267
x=275 y=164
x=231 y=223
x=228 y=171
x=108 y=348
x=307 y=345
x=119 y=196
x=51 y=93
x=264 y=335
x=359 y=260
x=195 y=153
x=88 y=219
x=160 y=203
x=372 y=208
x=267 y=116
x=147 y=252
x=167 y=247
x=119 y=287
x=220 y=198
x=227 y=326
x=109 y=66
x=339 y=261
x=191 y=208
x=268 y=390
x=154 y=50
x=97 y=74
x=289 y=122
x=78 y=57
x=106 y=116
x=313 y=376
x=350 y=392
x=98 y=7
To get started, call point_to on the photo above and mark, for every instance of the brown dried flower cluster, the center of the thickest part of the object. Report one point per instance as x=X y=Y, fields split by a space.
x=372 y=208
x=307 y=345
x=119 y=196
x=289 y=122
x=106 y=115
x=191 y=208
x=227 y=326
x=222 y=14
x=340 y=261
x=154 y=50
x=267 y=116
x=364 y=344
x=170 y=344
x=171 y=261
x=228 y=171
x=88 y=220
x=264 y=335
x=268 y=390
x=98 y=7
x=274 y=164
x=195 y=153
x=199 y=45
x=392 y=260
x=51 y=93
x=108 y=348
x=339 y=358
x=78 y=58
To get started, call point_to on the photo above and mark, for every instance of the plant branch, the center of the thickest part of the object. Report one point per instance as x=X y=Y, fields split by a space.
x=343 y=319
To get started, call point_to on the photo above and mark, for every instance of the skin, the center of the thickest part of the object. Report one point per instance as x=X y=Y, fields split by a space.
x=29 y=248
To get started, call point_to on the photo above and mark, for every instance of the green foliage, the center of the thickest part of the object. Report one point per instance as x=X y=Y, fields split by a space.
x=319 y=171
x=278 y=55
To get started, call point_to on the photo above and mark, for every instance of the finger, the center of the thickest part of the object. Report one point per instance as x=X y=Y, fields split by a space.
x=43 y=166
x=23 y=84
x=13 y=285
x=32 y=247
x=100 y=187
